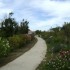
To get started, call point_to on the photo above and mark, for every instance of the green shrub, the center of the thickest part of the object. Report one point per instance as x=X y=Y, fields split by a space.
x=4 y=47
x=26 y=38
x=14 y=41
x=18 y=41
x=61 y=62
x=57 y=48
x=29 y=38
x=32 y=36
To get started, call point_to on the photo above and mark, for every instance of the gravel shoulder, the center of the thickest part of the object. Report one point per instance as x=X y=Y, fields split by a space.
x=29 y=60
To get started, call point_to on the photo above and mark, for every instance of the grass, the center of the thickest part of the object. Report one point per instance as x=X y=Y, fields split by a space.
x=16 y=53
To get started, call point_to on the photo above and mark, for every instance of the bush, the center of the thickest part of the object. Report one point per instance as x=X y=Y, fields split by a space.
x=14 y=41
x=57 y=48
x=26 y=38
x=61 y=62
x=4 y=47
x=58 y=53
x=18 y=41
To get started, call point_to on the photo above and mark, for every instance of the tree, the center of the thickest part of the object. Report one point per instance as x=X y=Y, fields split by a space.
x=24 y=27
x=7 y=26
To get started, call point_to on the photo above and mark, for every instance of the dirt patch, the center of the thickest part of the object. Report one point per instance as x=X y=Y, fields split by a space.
x=16 y=53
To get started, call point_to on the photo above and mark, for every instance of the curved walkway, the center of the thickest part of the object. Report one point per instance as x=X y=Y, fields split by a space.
x=29 y=60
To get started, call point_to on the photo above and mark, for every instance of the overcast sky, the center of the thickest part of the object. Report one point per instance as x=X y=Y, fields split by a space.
x=41 y=14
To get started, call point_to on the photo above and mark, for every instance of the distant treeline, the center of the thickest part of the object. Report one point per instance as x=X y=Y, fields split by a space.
x=61 y=34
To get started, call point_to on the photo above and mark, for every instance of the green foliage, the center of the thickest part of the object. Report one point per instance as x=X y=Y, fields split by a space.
x=4 y=47
x=15 y=33
x=60 y=62
x=10 y=27
x=58 y=41
x=57 y=48
x=14 y=42
x=18 y=41
x=58 y=37
x=24 y=27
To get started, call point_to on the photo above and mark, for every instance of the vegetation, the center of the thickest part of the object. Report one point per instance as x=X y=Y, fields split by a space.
x=12 y=35
x=58 y=48
x=24 y=27
x=17 y=52
x=9 y=27
x=18 y=41
x=4 y=47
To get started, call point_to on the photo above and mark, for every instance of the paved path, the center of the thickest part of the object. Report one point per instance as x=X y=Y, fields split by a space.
x=30 y=60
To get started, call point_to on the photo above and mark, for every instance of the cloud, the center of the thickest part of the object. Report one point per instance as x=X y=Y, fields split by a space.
x=42 y=14
x=59 y=10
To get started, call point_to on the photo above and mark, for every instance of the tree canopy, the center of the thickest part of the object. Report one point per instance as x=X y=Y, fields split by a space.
x=9 y=27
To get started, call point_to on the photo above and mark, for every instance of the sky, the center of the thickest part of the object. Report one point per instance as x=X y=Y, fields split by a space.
x=41 y=14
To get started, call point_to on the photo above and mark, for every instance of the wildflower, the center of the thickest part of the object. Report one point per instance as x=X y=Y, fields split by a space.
x=68 y=67
x=60 y=67
x=53 y=65
x=0 y=38
x=3 y=45
x=3 y=41
x=63 y=66
x=56 y=68
x=8 y=46
x=60 y=60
